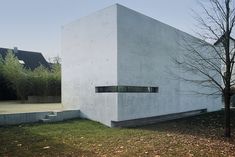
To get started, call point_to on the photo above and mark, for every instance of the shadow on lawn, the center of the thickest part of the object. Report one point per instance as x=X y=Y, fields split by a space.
x=209 y=125
x=19 y=141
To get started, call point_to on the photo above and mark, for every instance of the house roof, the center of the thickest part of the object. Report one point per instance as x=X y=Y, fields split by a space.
x=31 y=59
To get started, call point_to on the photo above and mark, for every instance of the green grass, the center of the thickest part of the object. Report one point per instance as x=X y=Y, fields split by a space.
x=195 y=136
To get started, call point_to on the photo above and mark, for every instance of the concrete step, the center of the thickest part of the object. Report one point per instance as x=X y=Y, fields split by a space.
x=52 y=113
x=50 y=117
x=44 y=120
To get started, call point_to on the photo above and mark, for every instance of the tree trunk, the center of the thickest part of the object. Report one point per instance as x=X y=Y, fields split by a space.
x=227 y=90
x=227 y=113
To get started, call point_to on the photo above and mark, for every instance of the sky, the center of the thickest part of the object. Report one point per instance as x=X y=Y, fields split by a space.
x=35 y=25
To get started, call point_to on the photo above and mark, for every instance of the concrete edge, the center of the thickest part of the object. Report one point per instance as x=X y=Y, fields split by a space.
x=33 y=117
x=156 y=119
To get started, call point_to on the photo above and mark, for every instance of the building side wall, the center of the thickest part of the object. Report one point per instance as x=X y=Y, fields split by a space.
x=145 y=51
x=89 y=59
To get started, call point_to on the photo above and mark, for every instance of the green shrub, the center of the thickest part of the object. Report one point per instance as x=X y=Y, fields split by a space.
x=6 y=92
x=46 y=82
x=15 y=73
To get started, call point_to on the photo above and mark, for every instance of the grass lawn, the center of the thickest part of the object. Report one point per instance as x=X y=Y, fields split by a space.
x=195 y=136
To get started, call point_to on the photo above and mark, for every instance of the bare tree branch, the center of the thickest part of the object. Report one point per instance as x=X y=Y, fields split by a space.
x=212 y=64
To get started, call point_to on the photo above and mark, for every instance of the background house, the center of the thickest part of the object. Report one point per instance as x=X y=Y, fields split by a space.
x=29 y=59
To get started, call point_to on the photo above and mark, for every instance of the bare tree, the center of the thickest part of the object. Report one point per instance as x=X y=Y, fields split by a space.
x=216 y=24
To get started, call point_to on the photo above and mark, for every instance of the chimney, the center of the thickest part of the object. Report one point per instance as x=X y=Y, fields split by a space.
x=15 y=50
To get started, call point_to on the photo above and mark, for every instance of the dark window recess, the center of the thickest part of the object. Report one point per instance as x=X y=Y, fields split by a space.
x=126 y=89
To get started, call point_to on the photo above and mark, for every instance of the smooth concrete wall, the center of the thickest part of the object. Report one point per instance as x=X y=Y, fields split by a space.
x=145 y=51
x=89 y=59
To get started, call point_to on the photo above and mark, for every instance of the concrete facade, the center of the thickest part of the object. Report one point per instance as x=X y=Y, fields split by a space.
x=120 y=47
x=90 y=60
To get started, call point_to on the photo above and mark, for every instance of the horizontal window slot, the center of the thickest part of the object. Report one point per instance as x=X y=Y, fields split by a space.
x=126 y=89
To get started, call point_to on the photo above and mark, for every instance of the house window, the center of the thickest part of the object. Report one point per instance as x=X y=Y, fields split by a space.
x=21 y=61
x=126 y=89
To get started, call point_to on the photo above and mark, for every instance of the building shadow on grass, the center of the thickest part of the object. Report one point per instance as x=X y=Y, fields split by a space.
x=208 y=125
x=21 y=142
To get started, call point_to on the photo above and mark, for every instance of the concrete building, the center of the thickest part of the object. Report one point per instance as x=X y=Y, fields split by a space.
x=115 y=66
